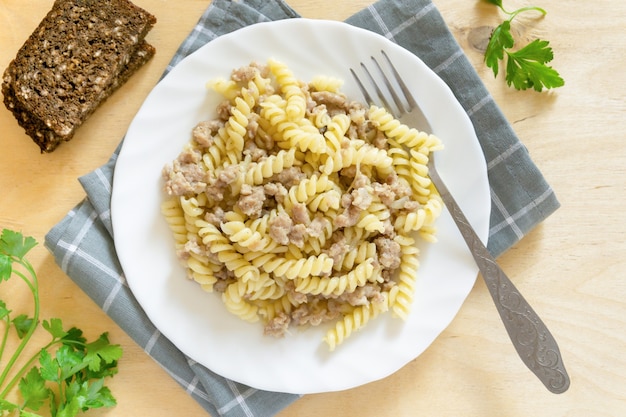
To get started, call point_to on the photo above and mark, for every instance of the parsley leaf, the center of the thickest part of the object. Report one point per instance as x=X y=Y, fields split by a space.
x=33 y=389
x=22 y=324
x=7 y=406
x=500 y=39
x=49 y=367
x=75 y=337
x=6 y=267
x=101 y=353
x=70 y=362
x=15 y=244
x=90 y=395
x=4 y=311
x=525 y=67
x=55 y=328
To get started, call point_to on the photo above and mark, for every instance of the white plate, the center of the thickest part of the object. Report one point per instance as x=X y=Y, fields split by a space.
x=197 y=322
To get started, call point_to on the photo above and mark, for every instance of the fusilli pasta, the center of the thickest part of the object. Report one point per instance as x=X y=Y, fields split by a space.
x=299 y=206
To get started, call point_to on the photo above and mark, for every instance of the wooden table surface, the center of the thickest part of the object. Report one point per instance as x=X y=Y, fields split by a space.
x=571 y=268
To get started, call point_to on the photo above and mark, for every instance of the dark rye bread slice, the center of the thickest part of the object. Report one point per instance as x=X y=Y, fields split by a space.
x=47 y=138
x=78 y=55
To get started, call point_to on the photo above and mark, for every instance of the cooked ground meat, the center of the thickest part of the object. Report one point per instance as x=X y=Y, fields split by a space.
x=228 y=175
x=361 y=198
x=247 y=73
x=215 y=217
x=296 y=297
x=280 y=227
x=276 y=190
x=329 y=99
x=384 y=192
x=360 y=180
x=203 y=133
x=184 y=176
x=364 y=295
x=251 y=200
x=317 y=226
x=290 y=176
x=379 y=140
x=388 y=252
x=349 y=172
x=278 y=325
x=244 y=74
x=400 y=188
x=254 y=152
x=349 y=217
x=313 y=312
x=338 y=250
x=224 y=110
x=222 y=284
x=411 y=205
x=300 y=214
x=298 y=235
x=218 y=185
x=253 y=126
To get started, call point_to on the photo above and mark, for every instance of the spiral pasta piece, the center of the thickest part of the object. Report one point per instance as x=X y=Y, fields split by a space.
x=175 y=218
x=236 y=128
x=326 y=83
x=404 y=135
x=214 y=156
x=219 y=245
x=227 y=88
x=365 y=250
x=402 y=294
x=237 y=305
x=202 y=271
x=239 y=233
x=354 y=321
x=290 y=86
x=294 y=268
x=305 y=136
x=258 y=172
x=336 y=285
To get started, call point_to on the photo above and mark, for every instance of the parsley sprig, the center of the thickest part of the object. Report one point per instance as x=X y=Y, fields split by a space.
x=525 y=67
x=69 y=379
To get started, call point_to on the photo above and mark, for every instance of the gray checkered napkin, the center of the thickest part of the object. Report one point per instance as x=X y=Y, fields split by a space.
x=82 y=242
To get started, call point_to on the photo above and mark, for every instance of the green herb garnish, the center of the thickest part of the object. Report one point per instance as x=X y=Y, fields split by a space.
x=525 y=67
x=68 y=373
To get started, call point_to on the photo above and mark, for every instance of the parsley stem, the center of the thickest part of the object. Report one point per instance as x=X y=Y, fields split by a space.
x=525 y=9
x=26 y=367
x=5 y=336
x=33 y=285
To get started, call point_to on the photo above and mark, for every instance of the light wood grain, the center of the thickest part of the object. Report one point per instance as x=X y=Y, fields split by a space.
x=570 y=268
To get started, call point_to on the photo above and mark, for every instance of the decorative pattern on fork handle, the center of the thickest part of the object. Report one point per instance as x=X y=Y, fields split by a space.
x=533 y=341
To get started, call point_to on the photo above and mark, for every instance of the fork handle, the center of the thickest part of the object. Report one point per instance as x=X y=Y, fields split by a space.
x=533 y=341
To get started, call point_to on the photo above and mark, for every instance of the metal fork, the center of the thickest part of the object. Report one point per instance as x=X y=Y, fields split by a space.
x=533 y=341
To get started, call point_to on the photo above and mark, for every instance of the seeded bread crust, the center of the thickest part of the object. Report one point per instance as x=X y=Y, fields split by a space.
x=80 y=53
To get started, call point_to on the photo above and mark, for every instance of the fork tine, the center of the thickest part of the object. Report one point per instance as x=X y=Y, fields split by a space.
x=401 y=108
x=379 y=92
x=403 y=87
x=364 y=91
x=398 y=90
